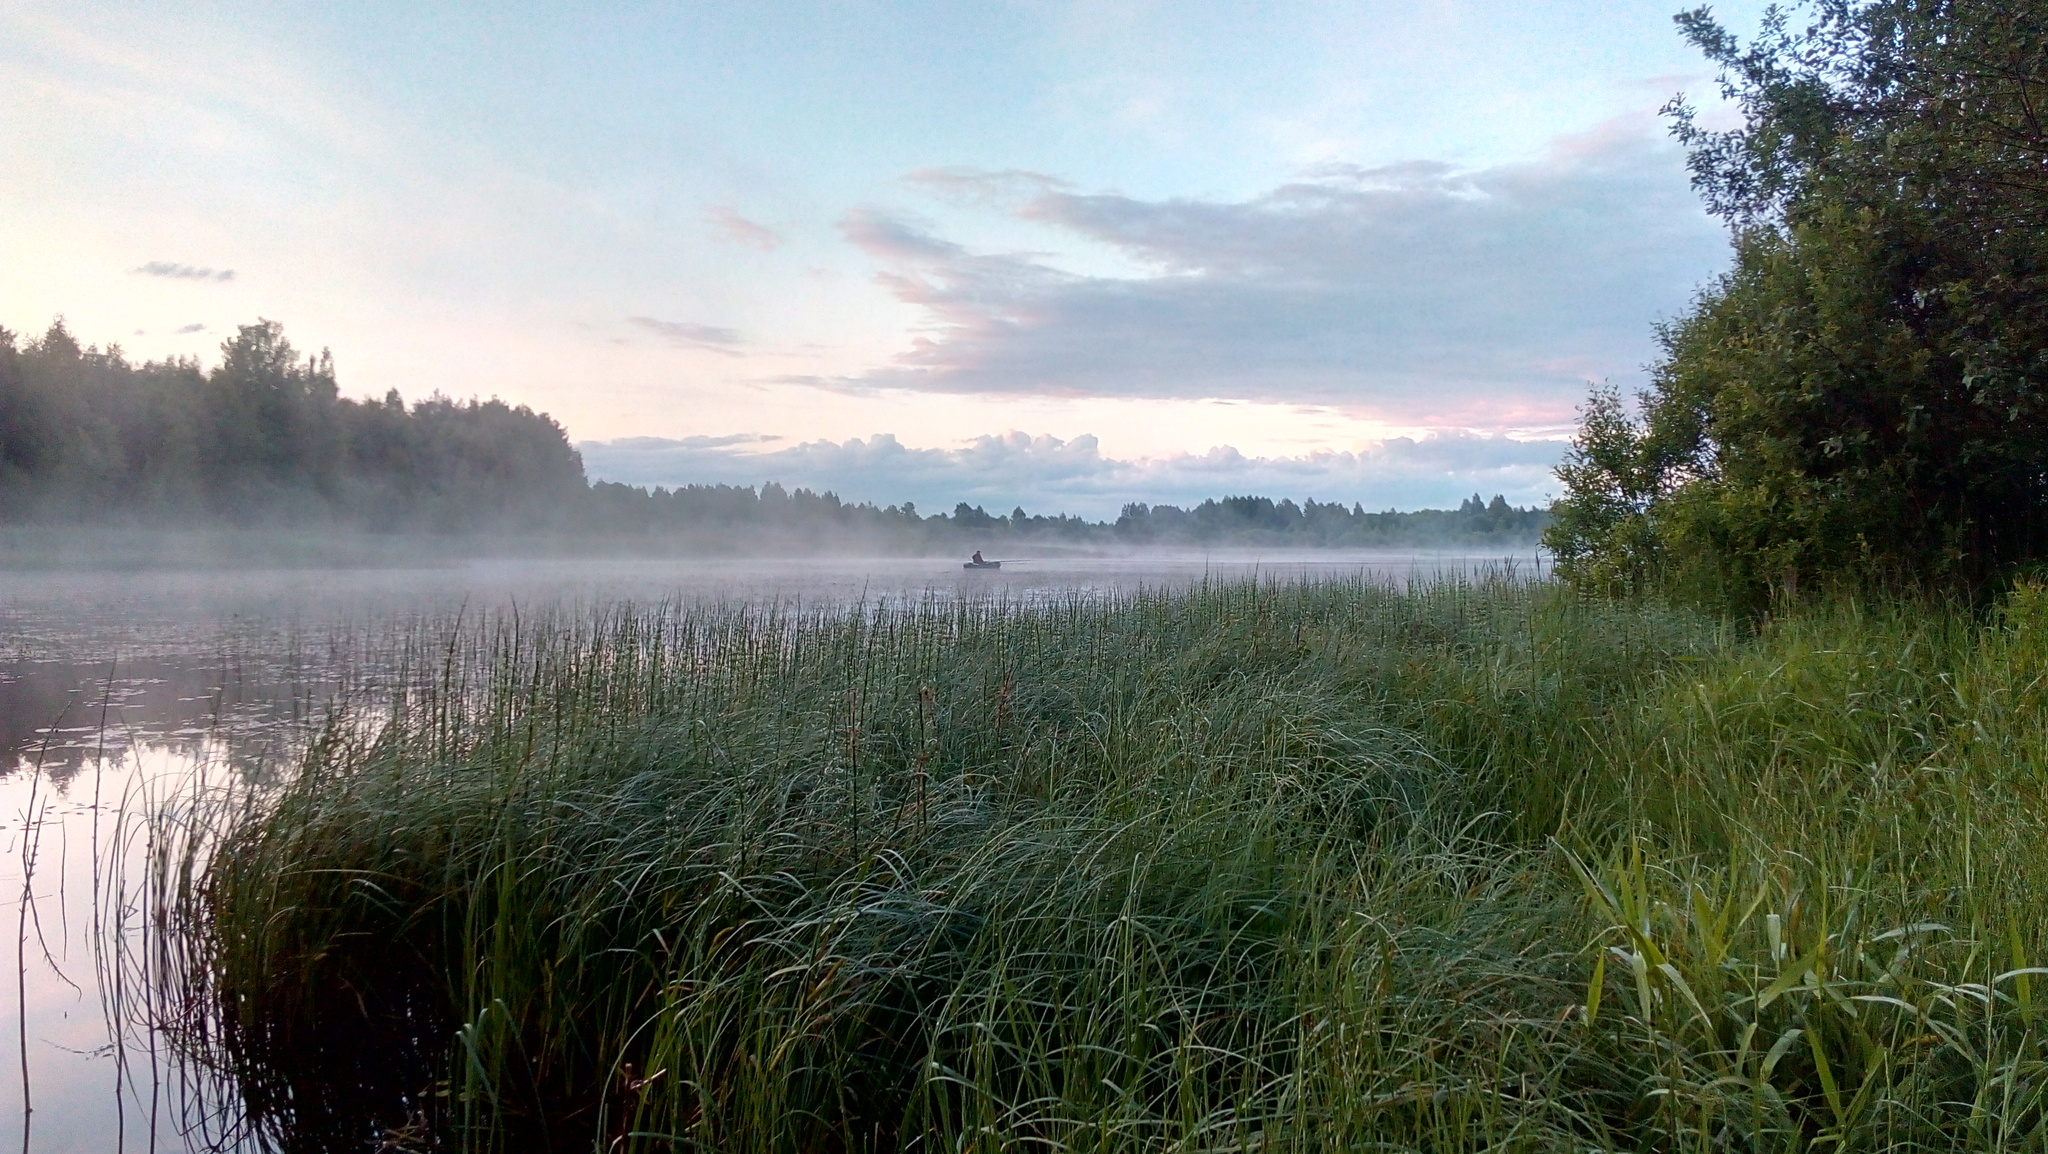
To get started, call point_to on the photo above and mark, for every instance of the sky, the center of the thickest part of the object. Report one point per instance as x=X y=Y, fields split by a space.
x=1057 y=255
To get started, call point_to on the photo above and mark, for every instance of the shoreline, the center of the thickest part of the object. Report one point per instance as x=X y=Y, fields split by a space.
x=32 y=549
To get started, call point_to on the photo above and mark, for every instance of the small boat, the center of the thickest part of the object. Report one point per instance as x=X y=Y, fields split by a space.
x=982 y=565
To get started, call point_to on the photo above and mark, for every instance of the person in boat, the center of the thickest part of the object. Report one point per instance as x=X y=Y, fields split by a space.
x=977 y=558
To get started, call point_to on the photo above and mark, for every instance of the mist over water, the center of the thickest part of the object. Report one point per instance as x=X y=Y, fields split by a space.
x=127 y=698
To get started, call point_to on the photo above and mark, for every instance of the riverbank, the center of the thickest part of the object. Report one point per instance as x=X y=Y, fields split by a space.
x=1315 y=865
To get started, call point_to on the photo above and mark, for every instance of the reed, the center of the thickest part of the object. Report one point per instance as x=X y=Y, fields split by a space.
x=1470 y=865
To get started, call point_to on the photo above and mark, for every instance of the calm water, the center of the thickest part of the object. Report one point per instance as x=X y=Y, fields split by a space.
x=124 y=696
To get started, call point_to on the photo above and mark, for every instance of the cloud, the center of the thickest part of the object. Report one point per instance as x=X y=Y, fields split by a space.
x=1048 y=474
x=194 y=327
x=1422 y=293
x=670 y=445
x=739 y=230
x=976 y=186
x=174 y=271
x=684 y=334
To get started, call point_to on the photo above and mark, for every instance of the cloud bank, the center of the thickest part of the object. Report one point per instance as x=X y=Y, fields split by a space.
x=1047 y=475
x=1421 y=293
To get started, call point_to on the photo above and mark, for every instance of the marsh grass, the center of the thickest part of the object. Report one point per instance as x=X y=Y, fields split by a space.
x=1473 y=865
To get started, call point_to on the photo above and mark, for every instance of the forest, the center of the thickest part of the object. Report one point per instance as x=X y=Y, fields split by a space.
x=265 y=440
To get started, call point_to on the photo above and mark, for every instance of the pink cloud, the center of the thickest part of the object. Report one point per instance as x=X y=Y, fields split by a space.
x=739 y=230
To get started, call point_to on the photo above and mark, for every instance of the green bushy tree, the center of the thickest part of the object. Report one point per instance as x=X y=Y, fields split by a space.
x=1861 y=397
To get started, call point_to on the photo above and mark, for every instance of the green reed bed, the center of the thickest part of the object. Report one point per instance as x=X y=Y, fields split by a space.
x=1335 y=866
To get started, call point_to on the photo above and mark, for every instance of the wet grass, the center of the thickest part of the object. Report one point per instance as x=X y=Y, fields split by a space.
x=1477 y=865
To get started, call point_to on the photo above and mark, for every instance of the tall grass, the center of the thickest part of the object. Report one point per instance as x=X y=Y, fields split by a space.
x=1335 y=866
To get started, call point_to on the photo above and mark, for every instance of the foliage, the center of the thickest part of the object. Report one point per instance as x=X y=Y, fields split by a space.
x=1601 y=531
x=1861 y=398
x=1262 y=520
x=261 y=439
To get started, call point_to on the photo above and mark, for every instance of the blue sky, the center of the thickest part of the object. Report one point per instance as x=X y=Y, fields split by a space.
x=1062 y=255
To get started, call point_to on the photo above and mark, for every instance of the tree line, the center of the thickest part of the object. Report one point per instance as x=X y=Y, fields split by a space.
x=1245 y=520
x=262 y=439
x=265 y=440
x=1861 y=401
x=1475 y=521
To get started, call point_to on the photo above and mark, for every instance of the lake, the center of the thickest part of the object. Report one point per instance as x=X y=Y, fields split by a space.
x=126 y=698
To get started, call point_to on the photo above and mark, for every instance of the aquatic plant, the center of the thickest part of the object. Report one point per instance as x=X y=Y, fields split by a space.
x=1467 y=865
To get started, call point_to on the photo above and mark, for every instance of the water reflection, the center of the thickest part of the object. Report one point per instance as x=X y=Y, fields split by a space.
x=88 y=1068
x=63 y=717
